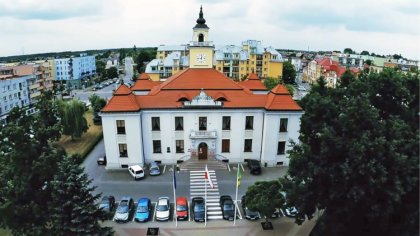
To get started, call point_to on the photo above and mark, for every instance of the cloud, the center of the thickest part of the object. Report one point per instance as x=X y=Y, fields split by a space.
x=51 y=9
x=380 y=26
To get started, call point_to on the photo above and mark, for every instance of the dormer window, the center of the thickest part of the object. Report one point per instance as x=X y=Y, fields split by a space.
x=221 y=99
x=183 y=99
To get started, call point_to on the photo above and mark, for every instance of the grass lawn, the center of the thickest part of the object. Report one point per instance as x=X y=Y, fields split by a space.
x=5 y=232
x=84 y=144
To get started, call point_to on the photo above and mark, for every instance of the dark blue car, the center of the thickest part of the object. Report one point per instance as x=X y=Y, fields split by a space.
x=143 y=210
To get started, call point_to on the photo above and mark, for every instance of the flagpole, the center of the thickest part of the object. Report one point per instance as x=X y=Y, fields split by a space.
x=236 y=198
x=174 y=187
x=205 y=197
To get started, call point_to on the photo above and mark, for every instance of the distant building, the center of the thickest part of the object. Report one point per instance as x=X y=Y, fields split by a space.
x=326 y=67
x=14 y=92
x=235 y=62
x=71 y=71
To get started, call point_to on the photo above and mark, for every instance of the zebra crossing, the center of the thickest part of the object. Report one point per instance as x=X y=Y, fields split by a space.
x=198 y=189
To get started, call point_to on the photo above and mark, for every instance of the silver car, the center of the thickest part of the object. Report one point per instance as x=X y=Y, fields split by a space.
x=124 y=208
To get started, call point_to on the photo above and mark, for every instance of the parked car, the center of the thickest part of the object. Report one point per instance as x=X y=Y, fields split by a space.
x=301 y=88
x=136 y=171
x=154 y=169
x=101 y=160
x=97 y=120
x=124 y=208
x=181 y=208
x=254 y=167
x=162 y=209
x=289 y=211
x=198 y=205
x=250 y=215
x=228 y=208
x=144 y=207
x=107 y=203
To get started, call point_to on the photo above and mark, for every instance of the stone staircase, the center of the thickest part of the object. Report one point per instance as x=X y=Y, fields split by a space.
x=198 y=165
x=197 y=189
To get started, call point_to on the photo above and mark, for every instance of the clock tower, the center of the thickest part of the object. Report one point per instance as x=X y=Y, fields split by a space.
x=201 y=49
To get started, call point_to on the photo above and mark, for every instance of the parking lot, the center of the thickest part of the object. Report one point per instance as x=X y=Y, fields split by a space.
x=120 y=183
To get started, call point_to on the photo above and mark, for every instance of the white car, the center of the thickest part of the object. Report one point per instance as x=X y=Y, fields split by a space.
x=136 y=171
x=301 y=88
x=162 y=209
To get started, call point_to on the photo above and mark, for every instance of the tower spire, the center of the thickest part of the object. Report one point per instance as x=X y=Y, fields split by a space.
x=201 y=22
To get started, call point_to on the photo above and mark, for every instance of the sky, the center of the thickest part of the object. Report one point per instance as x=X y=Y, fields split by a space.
x=380 y=26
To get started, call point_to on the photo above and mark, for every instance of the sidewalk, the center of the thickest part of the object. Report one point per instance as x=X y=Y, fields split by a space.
x=282 y=226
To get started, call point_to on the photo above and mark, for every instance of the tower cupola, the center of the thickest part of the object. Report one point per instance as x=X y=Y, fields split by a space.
x=201 y=22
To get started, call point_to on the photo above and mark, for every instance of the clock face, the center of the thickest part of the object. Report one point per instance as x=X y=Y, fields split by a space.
x=201 y=58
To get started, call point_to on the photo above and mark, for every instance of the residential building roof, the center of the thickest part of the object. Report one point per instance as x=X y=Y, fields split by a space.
x=188 y=83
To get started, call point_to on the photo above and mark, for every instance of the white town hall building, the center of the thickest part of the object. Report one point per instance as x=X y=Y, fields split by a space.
x=199 y=113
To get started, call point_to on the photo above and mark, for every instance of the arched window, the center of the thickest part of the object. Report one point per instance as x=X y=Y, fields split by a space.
x=200 y=38
x=183 y=99
x=221 y=99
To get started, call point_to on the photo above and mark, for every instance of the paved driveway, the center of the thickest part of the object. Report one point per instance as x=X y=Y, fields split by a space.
x=119 y=183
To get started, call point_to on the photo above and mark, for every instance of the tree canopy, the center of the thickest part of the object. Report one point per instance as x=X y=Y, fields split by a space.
x=97 y=102
x=112 y=72
x=271 y=82
x=29 y=161
x=72 y=119
x=364 y=52
x=73 y=208
x=265 y=197
x=358 y=156
x=348 y=51
x=289 y=73
x=142 y=58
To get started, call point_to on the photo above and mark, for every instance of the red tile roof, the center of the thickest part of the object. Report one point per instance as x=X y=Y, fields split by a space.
x=253 y=83
x=122 y=103
x=188 y=83
x=206 y=79
x=144 y=83
x=143 y=76
x=122 y=90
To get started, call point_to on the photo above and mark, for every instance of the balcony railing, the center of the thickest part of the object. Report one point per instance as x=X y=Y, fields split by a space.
x=203 y=134
x=201 y=44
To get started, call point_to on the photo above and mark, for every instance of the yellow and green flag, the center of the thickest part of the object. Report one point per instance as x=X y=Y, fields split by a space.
x=239 y=176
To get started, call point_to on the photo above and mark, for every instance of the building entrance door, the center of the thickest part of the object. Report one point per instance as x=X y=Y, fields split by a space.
x=202 y=151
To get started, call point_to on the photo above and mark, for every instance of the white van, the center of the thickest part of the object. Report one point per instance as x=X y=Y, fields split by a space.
x=136 y=171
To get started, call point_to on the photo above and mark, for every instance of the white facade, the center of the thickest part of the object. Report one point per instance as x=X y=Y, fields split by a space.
x=139 y=137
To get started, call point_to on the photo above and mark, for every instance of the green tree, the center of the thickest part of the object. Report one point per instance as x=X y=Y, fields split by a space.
x=358 y=156
x=74 y=210
x=289 y=73
x=290 y=88
x=369 y=62
x=28 y=160
x=100 y=68
x=112 y=72
x=141 y=59
x=97 y=103
x=271 y=82
x=123 y=54
x=265 y=197
x=72 y=119
x=364 y=53
x=348 y=51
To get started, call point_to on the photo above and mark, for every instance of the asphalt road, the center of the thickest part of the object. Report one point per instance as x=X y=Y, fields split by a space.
x=120 y=183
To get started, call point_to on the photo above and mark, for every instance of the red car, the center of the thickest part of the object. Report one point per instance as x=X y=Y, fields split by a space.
x=181 y=208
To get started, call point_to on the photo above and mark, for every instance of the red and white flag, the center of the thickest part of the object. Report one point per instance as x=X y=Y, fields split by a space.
x=208 y=177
